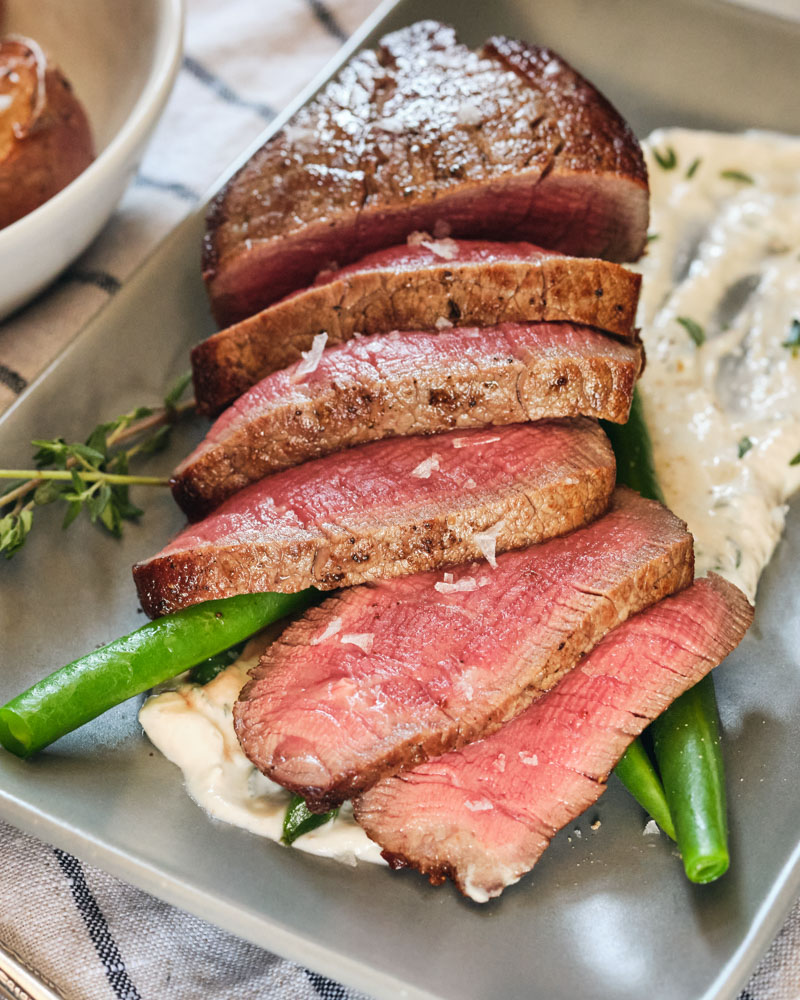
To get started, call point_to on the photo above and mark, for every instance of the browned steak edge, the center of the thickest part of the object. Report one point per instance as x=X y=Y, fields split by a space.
x=651 y=583
x=176 y=580
x=568 y=97
x=550 y=288
x=503 y=391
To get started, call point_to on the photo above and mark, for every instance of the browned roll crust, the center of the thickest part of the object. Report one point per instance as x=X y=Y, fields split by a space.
x=45 y=140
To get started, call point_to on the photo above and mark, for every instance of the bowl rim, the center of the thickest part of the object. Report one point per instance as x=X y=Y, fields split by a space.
x=171 y=16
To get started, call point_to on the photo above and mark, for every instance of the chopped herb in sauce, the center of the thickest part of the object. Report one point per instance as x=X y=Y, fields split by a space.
x=651 y=237
x=736 y=175
x=693 y=167
x=299 y=820
x=795 y=460
x=793 y=340
x=693 y=328
x=745 y=444
x=667 y=160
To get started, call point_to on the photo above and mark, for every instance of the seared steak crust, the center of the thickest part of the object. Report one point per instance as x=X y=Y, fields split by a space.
x=416 y=288
x=402 y=384
x=447 y=663
x=387 y=509
x=508 y=143
x=484 y=814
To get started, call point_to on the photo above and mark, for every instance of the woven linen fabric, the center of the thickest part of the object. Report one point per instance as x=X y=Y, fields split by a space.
x=95 y=937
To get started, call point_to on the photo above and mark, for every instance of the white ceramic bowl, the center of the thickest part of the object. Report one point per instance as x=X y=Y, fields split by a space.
x=121 y=57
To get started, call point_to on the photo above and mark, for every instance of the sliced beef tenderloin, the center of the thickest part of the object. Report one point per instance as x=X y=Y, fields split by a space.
x=380 y=678
x=484 y=814
x=423 y=134
x=387 y=509
x=408 y=383
x=427 y=286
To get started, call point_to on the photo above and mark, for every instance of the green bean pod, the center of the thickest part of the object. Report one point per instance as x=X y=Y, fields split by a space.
x=299 y=820
x=633 y=451
x=636 y=772
x=686 y=736
x=686 y=741
x=152 y=654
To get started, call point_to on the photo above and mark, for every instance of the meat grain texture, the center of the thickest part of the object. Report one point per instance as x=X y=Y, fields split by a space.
x=424 y=134
x=387 y=509
x=426 y=286
x=403 y=384
x=447 y=662
x=483 y=815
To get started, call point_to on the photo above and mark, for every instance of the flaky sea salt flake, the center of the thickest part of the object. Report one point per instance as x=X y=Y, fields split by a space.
x=466 y=583
x=331 y=630
x=363 y=640
x=311 y=358
x=478 y=805
x=474 y=442
x=469 y=114
x=426 y=467
x=418 y=238
x=487 y=542
x=446 y=249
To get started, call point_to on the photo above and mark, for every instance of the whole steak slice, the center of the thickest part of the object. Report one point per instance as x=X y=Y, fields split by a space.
x=426 y=286
x=399 y=384
x=387 y=509
x=382 y=677
x=484 y=814
x=423 y=134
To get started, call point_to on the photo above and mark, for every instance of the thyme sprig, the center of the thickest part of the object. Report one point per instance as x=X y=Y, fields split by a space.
x=93 y=475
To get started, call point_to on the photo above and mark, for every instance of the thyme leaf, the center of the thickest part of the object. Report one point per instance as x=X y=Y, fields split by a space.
x=91 y=475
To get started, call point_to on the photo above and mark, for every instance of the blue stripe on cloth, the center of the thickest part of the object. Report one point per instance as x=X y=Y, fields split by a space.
x=181 y=191
x=327 y=20
x=327 y=988
x=11 y=379
x=100 y=279
x=223 y=91
x=96 y=925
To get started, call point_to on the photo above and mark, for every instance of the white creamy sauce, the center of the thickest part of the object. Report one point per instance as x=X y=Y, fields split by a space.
x=727 y=259
x=193 y=727
x=726 y=256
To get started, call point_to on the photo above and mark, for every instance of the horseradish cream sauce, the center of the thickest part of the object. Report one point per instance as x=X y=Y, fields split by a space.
x=193 y=727
x=720 y=309
x=724 y=415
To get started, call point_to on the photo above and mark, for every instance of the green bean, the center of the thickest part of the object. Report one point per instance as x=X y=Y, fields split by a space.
x=686 y=741
x=633 y=451
x=152 y=654
x=636 y=772
x=205 y=671
x=686 y=736
x=299 y=819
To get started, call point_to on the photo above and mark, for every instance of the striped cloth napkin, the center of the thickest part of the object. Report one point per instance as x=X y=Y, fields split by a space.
x=93 y=936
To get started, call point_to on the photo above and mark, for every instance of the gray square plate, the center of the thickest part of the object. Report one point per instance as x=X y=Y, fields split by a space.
x=606 y=915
